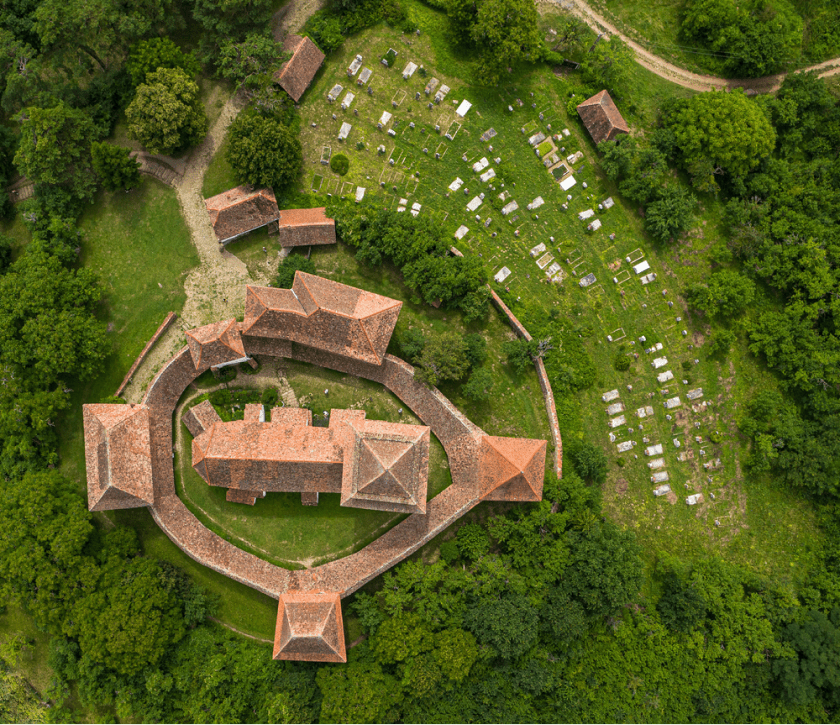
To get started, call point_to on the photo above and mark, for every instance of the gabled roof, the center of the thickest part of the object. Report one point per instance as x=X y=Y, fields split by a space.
x=118 y=456
x=305 y=217
x=240 y=210
x=601 y=117
x=511 y=469
x=386 y=466
x=215 y=344
x=297 y=73
x=323 y=314
x=309 y=628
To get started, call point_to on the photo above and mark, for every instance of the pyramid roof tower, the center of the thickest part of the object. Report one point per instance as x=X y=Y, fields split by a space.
x=309 y=628
x=323 y=314
x=215 y=344
x=511 y=469
x=386 y=466
x=118 y=456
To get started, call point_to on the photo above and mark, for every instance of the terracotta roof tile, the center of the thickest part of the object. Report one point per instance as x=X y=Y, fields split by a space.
x=297 y=73
x=386 y=466
x=241 y=210
x=511 y=469
x=215 y=344
x=601 y=117
x=309 y=628
x=323 y=314
x=118 y=456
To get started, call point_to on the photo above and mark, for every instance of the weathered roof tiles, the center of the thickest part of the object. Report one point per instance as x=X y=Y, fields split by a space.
x=602 y=118
x=309 y=628
x=323 y=314
x=240 y=210
x=297 y=73
x=118 y=456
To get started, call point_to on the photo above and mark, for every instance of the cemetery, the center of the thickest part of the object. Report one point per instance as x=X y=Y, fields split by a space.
x=514 y=178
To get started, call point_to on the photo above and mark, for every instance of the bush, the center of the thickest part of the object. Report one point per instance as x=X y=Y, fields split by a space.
x=476 y=349
x=291 y=264
x=473 y=541
x=269 y=397
x=411 y=342
x=621 y=362
x=340 y=164
x=449 y=551
x=479 y=386
x=589 y=461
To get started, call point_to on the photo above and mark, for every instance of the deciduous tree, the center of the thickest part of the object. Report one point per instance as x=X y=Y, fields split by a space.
x=166 y=114
x=264 y=152
x=114 y=166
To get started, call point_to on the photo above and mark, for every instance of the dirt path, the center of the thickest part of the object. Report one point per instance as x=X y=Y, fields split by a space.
x=675 y=74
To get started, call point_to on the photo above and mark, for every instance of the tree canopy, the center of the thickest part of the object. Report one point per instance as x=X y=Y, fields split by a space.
x=166 y=114
x=264 y=152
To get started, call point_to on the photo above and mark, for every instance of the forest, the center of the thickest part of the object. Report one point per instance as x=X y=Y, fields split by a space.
x=546 y=612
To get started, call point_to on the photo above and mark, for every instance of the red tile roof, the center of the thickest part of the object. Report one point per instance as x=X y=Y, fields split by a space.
x=512 y=469
x=373 y=464
x=386 y=466
x=304 y=217
x=215 y=344
x=240 y=210
x=323 y=314
x=297 y=73
x=118 y=456
x=309 y=628
x=601 y=117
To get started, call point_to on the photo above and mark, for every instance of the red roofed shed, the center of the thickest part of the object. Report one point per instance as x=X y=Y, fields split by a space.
x=241 y=210
x=302 y=227
x=297 y=73
x=601 y=118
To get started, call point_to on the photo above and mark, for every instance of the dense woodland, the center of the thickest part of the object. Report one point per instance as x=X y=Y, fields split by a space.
x=549 y=613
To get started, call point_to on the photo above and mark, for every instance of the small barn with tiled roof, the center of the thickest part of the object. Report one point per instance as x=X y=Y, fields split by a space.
x=309 y=628
x=325 y=315
x=297 y=73
x=512 y=469
x=216 y=345
x=241 y=210
x=304 y=227
x=118 y=456
x=601 y=118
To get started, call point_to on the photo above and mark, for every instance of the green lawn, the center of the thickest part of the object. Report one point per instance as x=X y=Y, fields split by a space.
x=140 y=247
x=624 y=310
x=220 y=175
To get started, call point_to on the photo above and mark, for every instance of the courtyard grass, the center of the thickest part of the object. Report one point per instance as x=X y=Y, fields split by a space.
x=625 y=310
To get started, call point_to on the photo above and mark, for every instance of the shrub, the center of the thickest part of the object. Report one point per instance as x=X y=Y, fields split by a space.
x=291 y=264
x=589 y=461
x=621 y=362
x=449 y=551
x=340 y=164
x=269 y=397
x=411 y=342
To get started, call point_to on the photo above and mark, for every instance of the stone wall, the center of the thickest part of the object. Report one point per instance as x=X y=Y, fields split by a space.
x=164 y=326
x=548 y=395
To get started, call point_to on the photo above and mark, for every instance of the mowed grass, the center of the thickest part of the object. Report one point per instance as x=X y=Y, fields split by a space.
x=278 y=528
x=139 y=246
x=625 y=310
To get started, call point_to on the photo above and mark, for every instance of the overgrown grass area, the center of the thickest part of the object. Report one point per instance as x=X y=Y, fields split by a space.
x=610 y=315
